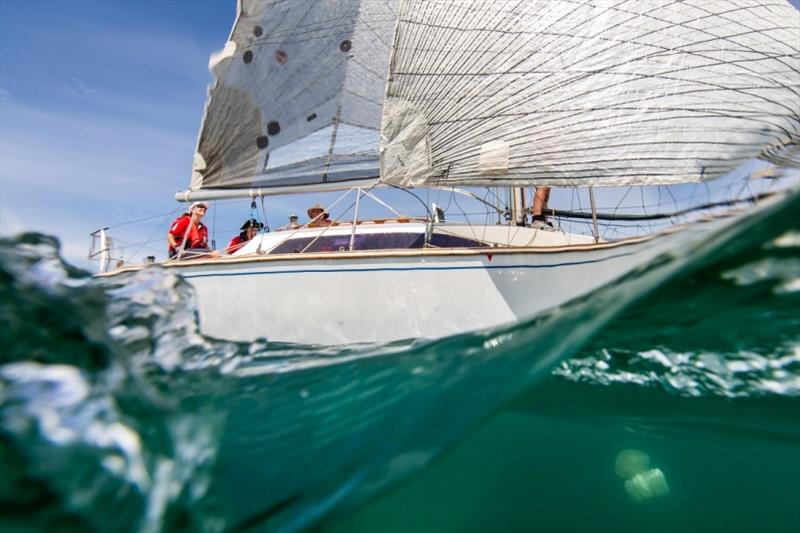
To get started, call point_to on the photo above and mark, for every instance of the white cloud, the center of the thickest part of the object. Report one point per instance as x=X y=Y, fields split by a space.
x=174 y=53
x=78 y=87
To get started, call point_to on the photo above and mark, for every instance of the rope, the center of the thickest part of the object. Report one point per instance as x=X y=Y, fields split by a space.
x=167 y=214
x=152 y=235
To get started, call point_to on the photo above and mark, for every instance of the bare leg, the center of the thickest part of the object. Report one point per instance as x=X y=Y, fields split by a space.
x=540 y=202
x=539 y=208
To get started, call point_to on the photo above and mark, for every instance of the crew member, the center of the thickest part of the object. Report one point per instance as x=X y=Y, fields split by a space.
x=248 y=230
x=538 y=218
x=188 y=235
x=318 y=216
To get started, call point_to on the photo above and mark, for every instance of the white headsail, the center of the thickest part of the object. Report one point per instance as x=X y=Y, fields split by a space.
x=297 y=96
x=569 y=92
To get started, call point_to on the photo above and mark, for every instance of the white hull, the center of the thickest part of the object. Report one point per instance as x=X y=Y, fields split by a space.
x=347 y=297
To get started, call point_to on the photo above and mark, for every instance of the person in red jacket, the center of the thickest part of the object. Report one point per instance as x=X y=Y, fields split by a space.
x=188 y=236
x=249 y=230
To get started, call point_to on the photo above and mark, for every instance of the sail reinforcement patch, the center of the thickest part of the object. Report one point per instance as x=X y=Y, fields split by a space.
x=494 y=158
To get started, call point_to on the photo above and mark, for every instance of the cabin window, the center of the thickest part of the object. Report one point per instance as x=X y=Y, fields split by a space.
x=452 y=241
x=335 y=243
x=375 y=241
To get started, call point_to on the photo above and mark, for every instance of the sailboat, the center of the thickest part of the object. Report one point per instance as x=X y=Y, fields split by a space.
x=357 y=96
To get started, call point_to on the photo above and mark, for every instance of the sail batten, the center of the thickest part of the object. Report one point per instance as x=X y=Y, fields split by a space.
x=570 y=89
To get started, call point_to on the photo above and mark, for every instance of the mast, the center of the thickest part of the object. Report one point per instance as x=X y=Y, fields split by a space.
x=517 y=196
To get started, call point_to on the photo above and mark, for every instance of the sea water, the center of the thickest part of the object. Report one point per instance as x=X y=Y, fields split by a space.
x=677 y=411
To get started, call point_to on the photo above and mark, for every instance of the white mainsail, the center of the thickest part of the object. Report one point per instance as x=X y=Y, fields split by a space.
x=535 y=92
x=297 y=96
x=570 y=93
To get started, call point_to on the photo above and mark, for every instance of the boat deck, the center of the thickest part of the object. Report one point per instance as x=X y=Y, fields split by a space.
x=403 y=234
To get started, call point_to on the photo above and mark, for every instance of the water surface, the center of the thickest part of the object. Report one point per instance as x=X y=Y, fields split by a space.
x=117 y=414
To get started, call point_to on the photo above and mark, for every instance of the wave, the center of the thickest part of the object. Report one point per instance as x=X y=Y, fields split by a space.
x=118 y=414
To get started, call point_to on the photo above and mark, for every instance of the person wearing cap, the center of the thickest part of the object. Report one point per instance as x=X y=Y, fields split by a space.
x=189 y=233
x=248 y=230
x=318 y=216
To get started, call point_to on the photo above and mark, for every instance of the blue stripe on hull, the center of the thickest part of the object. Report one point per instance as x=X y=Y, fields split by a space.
x=403 y=269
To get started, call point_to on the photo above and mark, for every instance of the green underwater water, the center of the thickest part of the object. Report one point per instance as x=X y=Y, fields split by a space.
x=529 y=471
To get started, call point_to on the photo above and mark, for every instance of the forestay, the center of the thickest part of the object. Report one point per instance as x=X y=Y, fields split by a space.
x=575 y=92
x=297 y=95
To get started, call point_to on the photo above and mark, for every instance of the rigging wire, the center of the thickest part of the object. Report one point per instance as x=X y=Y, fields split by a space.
x=167 y=213
x=427 y=209
x=264 y=213
x=152 y=235
x=661 y=216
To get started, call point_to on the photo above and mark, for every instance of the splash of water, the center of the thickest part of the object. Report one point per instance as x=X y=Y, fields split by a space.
x=117 y=413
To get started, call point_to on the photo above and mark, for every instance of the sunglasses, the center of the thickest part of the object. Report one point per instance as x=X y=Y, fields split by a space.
x=200 y=207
